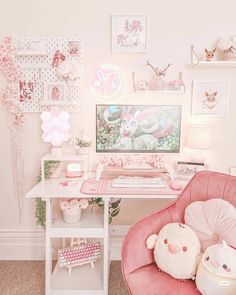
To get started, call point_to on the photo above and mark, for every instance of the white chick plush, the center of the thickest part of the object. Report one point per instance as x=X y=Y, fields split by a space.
x=176 y=250
x=216 y=273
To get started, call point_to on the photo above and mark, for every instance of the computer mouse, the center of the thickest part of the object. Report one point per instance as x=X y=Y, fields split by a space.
x=175 y=185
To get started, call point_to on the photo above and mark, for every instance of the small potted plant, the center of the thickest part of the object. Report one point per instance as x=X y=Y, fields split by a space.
x=81 y=143
x=82 y=146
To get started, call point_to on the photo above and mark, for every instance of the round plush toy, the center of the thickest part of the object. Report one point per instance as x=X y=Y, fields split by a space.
x=216 y=274
x=176 y=250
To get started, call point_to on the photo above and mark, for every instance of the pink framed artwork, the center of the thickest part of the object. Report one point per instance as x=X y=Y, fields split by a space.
x=74 y=47
x=55 y=93
x=26 y=89
x=128 y=33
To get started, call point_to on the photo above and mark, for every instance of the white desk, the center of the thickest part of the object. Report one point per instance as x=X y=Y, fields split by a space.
x=83 y=280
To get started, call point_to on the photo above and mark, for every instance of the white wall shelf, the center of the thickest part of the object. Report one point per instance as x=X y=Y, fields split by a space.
x=149 y=92
x=214 y=64
x=196 y=62
x=31 y=53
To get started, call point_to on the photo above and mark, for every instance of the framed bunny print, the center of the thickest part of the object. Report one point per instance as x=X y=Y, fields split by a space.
x=210 y=98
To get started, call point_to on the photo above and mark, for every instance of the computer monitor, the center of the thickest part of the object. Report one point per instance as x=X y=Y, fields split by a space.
x=138 y=128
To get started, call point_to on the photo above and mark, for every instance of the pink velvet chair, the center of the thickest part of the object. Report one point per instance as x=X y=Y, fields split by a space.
x=139 y=269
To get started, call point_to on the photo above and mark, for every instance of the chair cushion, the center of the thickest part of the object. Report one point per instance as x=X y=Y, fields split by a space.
x=148 y=280
x=213 y=221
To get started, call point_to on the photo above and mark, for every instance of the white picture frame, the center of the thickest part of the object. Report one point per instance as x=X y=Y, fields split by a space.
x=129 y=33
x=55 y=94
x=210 y=98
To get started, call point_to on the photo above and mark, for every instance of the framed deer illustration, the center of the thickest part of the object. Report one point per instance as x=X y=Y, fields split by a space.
x=138 y=128
x=210 y=98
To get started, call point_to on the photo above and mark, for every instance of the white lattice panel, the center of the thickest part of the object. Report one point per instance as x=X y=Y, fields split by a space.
x=36 y=66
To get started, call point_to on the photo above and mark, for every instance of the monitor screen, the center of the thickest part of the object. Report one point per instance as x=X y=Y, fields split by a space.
x=138 y=128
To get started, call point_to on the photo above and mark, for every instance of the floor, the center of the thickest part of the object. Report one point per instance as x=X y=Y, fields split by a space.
x=27 y=278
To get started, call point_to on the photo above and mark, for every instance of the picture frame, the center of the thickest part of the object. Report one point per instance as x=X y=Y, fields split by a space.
x=55 y=93
x=26 y=91
x=129 y=33
x=210 y=98
x=138 y=128
x=189 y=168
x=74 y=47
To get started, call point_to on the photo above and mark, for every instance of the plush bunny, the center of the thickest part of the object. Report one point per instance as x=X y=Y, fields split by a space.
x=216 y=274
x=176 y=250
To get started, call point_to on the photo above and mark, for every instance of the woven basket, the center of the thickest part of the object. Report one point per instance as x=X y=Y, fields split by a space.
x=229 y=54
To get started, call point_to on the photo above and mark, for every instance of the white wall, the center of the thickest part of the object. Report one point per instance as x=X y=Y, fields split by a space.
x=173 y=27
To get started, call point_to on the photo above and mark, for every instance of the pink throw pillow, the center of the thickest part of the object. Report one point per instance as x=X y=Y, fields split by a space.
x=213 y=221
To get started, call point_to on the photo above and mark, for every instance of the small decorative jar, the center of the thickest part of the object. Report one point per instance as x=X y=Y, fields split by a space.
x=72 y=208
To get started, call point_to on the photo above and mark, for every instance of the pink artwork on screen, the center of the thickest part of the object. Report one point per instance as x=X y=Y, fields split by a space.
x=138 y=128
x=131 y=121
x=26 y=90
x=131 y=35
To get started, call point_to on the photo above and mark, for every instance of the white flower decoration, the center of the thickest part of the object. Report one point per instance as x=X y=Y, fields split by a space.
x=233 y=39
x=70 y=69
x=84 y=203
x=225 y=44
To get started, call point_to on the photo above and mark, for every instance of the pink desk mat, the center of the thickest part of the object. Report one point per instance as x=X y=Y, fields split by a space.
x=104 y=187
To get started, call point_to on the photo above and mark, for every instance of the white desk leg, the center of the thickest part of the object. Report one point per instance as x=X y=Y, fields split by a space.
x=106 y=246
x=48 y=258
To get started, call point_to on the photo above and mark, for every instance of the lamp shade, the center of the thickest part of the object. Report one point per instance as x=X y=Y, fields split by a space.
x=199 y=137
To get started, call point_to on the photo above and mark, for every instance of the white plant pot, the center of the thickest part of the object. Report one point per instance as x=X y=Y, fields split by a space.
x=72 y=215
x=83 y=150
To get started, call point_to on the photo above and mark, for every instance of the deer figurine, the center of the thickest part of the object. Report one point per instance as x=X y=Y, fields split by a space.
x=158 y=82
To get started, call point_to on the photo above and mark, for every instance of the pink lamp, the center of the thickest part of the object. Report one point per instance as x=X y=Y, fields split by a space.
x=200 y=138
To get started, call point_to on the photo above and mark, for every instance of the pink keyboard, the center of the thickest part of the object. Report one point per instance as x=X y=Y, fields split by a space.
x=85 y=253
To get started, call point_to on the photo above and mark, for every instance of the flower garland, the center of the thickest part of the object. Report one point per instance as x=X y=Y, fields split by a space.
x=10 y=70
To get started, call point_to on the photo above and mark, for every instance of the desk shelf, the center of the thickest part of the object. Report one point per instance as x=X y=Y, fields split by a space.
x=91 y=225
x=83 y=280
x=65 y=157
x=52 y=188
